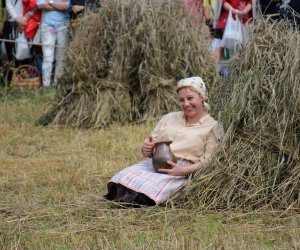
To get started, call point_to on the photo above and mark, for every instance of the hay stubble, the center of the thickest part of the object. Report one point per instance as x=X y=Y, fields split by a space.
x=52 y=182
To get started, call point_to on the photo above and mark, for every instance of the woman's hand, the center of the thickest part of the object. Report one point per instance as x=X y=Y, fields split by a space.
x=245 y=10
x=22 y=22
x=175 y=170
x=237 y=12
x=148 y=146
x=180 y=171
x=77 y=8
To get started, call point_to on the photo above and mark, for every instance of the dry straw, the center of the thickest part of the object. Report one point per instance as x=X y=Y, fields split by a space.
x=260 y=106
x=137 y=50
x=123 y=63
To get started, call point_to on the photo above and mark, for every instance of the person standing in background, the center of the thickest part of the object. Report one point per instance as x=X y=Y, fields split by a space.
x=211 y=12
x=54 y=36
x=16 y=22
x=241 y=9
x=33 y=17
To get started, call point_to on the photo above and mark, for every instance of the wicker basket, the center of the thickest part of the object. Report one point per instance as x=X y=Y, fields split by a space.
x=26 y=76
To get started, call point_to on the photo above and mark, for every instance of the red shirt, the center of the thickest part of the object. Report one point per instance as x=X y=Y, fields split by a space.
x=34 y=21
x=236 y=4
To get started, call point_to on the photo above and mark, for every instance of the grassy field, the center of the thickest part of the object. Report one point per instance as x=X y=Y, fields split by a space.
x=52 y=182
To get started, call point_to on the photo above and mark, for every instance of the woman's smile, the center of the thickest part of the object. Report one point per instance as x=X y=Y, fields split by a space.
x=191 y=104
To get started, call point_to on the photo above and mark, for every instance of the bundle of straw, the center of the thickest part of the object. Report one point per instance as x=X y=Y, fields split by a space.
x=141 y=47
x=260 y=107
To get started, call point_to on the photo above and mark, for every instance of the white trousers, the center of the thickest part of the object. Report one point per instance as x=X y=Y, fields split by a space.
x=51 y=36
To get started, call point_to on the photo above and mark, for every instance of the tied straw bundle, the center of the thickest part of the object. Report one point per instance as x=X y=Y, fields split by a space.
x=136 y=51
x=259 y=166
x=122 y=66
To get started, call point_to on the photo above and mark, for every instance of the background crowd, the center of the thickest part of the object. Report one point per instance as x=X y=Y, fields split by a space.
x=46 y=25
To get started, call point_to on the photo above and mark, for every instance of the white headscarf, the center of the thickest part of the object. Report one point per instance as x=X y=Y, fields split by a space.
x=196 y=84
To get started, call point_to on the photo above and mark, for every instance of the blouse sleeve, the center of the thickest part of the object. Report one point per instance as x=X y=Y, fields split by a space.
x=213 y=144
x=10 y=9
x=155 y=131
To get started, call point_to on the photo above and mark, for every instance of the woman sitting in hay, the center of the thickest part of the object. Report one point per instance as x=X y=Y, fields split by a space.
x=194 y=137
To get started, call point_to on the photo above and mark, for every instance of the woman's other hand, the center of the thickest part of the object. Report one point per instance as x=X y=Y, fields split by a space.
x=148 y=146
x=174 y=170
x=180 y=171
x=22 y=22
x=237 y=12
x=77 y=8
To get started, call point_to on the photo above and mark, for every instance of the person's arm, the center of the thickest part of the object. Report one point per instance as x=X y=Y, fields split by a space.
x=77 y=8
x=59 y=6
x=207 y=11
x=30 y=13
x=45 y=6
x=148 y=145
x=11 y=11
x=180 y=171
x=77 y=5
x=212 y=145
x=234 y=11
x=207 y=14
x=247 y=8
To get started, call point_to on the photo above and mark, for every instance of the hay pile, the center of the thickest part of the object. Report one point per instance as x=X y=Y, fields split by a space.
x=123 y=63
x=260 y=106
x=122 y=66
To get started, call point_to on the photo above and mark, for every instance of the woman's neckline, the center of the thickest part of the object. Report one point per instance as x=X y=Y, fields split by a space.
x=190 y=124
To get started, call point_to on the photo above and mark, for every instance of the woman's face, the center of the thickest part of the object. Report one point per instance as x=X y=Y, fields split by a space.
x=190 y=103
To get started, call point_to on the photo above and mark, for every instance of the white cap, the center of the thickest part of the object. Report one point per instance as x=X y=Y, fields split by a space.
x=195 y=83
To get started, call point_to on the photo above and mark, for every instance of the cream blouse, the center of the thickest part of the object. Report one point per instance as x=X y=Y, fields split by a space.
x=194 y=142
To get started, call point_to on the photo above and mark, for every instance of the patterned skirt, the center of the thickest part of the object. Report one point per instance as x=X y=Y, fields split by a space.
x=141 y=184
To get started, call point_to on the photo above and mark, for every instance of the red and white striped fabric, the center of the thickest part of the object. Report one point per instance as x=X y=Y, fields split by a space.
x=144 y=179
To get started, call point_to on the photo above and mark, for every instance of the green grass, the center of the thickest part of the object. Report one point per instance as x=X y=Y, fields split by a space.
x=52 y=182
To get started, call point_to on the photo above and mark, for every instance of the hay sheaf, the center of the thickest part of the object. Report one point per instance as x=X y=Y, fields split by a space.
x=260 y=163
x=95 y=105
x=146 y=46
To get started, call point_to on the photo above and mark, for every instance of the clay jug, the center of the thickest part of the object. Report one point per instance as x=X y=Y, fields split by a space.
x=162 y=154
